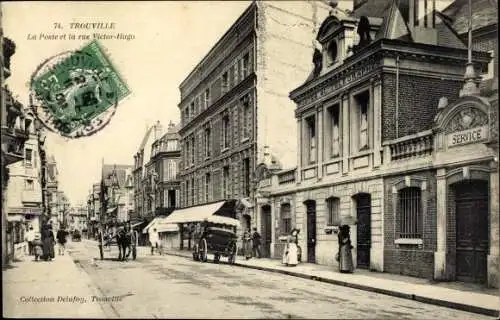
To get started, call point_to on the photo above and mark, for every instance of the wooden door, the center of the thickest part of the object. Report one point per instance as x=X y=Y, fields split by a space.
x=311 y=231
x=363 y=230
x=266 y=232
x=472 y=232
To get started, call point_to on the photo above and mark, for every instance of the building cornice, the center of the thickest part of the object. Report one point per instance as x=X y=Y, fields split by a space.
x=372 y=55
x=221 y=44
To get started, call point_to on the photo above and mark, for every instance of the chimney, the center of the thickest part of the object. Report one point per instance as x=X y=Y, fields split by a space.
x=158 y=128
x=422 y=21
x=171 y=127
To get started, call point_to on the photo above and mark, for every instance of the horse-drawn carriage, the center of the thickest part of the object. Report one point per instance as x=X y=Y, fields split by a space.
x=216 y=235
x=121 y=236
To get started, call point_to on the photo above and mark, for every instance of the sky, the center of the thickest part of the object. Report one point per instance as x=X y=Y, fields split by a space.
x=169 y=39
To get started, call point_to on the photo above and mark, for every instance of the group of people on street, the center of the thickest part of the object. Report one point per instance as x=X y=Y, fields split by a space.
x=252 y=244
x=41 y=245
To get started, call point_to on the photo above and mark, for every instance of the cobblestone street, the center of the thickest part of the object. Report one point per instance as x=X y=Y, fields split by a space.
x=173 y=287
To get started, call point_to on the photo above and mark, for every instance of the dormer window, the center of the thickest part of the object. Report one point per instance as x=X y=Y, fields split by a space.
x=332 y=52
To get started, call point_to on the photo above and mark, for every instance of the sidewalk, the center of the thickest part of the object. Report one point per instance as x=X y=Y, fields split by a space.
x=56 y=289
x=461 y=296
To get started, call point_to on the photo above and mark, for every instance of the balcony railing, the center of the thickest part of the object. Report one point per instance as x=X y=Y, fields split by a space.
x=414 y=146
x=286 y=176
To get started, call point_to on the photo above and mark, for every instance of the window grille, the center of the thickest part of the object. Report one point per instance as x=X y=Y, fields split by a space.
x=410 y=213
x=207 y=187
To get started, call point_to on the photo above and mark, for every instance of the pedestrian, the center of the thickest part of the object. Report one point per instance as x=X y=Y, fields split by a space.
x=30 y=237
x=48 y=241
x=37 y=247
x=291 y=256
x=61 y=240
x=247 y=244
x=256 y=243
x=346 y=264
x=154 y=241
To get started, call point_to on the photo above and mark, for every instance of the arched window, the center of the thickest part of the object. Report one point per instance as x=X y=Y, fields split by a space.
x=410 y=213
x=333 y=207
x=286 y=219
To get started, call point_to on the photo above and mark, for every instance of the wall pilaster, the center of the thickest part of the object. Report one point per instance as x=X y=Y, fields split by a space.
x=345 y=133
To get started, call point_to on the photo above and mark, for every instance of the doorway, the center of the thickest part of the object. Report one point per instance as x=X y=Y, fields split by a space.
x=266 y=231
x=247 y=222
x=363 y=229
x=472 y=232
x=311 y=230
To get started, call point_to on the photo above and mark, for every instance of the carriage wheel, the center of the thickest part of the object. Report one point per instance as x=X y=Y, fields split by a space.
x=232 y=253
x=216 y=258
x=134 y=252
x=203 y=250
x=101 y=252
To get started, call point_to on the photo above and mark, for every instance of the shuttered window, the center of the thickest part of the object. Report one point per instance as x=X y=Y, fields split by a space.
x=286 y=219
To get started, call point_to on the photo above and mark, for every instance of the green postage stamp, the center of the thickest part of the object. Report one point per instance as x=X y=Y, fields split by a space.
x=76 y=93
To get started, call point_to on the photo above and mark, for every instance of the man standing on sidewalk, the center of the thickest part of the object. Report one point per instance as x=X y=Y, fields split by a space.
x=256 y=243
x=30 y=237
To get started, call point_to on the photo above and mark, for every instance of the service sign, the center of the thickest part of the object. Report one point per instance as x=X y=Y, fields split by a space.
x=475 y=135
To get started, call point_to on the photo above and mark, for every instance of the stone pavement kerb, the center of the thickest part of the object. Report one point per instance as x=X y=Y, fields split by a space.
x=486 y=304
x=55 y=289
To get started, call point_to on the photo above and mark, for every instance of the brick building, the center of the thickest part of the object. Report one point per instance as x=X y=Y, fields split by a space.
x=234 y=99
x=390 y=142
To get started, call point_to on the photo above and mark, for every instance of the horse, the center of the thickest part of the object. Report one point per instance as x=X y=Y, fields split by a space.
x=124 y=240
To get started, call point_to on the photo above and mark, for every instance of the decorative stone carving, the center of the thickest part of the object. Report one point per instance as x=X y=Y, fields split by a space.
x=467 y=118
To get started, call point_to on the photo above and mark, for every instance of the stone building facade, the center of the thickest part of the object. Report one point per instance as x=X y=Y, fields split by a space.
x=233 y=100
x=389 y=139
x=163 y=168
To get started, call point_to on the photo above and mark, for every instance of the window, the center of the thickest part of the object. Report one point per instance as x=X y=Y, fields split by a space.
x=187 y=114
x=171 y=170
x=362 y=101
x=332 y=52
x=334 y=131
x=246 y=177
x=333 y=207
x=28 y=158
x=29 y=184
x=490 y=73
x=225 y=132
x=311 y=139
x=225 y=183
x=236 y=73
x=27 y=125
x=246 y=117
x=187 y=193
x=172 y=145
x=207 y=98
x=188 y=156
x=192 y=192
x=244 y=66
x=193 y=112
x=232 y=80
x=207 y=186
x=192 y=150
x=286 y=219
x=410 y=213
x=225 y=83
x=207 y=142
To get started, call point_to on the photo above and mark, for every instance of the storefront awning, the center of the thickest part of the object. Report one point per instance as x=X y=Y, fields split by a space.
x=15 y=218
x=160 y=224
x=194 y=214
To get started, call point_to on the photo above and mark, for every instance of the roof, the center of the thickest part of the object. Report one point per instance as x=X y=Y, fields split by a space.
x=393 y=25
x=484 y=13
x=373 y=8
x=115 y=173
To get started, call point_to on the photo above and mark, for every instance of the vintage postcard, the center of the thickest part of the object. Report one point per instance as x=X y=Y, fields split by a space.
x=250 y=159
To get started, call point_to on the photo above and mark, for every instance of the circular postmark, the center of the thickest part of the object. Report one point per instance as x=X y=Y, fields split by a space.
x=76 y=93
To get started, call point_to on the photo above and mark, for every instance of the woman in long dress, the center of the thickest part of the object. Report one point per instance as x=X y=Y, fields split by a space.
x=247 y=244
x=48 y=240
x=346 y=264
